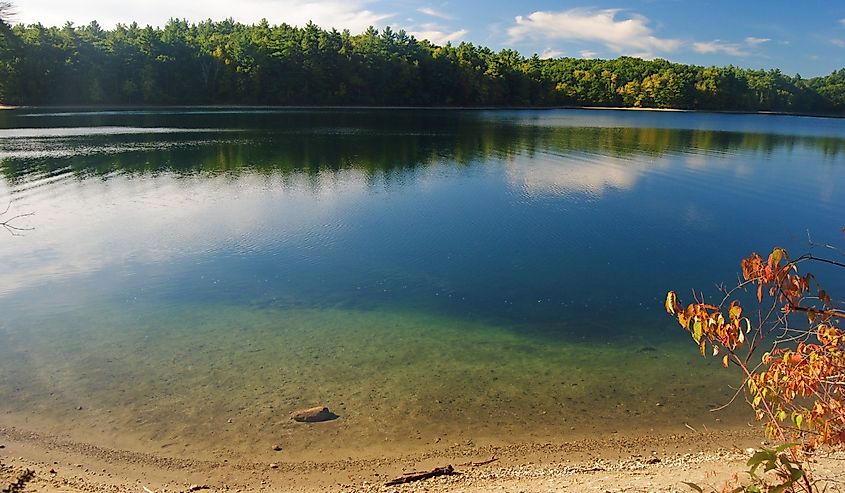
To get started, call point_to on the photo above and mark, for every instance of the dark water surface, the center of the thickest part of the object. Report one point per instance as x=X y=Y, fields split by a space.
x=195 y=275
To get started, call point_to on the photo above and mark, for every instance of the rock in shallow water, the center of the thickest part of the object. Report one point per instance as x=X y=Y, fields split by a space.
x=313 y=415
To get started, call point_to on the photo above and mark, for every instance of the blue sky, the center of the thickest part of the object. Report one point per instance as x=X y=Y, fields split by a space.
x=806 y=37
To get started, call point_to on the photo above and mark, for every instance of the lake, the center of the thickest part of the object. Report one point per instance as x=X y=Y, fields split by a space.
x=435 y=277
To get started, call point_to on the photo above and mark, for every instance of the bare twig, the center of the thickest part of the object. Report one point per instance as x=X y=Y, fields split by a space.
x=828 y=246
x=481 y=463
x=7 y=224
x=738 y=392
x=810 y=256
x=419 y=476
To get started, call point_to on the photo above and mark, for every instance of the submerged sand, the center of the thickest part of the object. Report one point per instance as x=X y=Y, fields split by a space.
x=225 y=386
x=162 y=407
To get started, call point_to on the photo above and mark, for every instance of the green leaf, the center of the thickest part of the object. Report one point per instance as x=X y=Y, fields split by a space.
x=697 y=330
x=765 y=457
x=785 y=446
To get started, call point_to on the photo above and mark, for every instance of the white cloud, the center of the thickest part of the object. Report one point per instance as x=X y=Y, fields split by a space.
x=718 y=46
x=437 y=34
x=842 y=21
x=434 y=13
x=588 y=54
x=732 y=49
x=550 y=53
x=628 y=36
x=838 y=42
x=751 y=40
x=342 y=14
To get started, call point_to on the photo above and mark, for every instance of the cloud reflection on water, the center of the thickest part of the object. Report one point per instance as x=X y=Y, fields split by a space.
x=589 y=174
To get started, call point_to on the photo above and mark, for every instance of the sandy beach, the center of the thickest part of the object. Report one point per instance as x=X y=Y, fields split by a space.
x=625 y=463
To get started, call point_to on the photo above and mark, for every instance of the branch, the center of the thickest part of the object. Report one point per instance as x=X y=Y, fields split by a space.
x=833 y=312
x=13 y=229
x=811 y=257
x=826 y=245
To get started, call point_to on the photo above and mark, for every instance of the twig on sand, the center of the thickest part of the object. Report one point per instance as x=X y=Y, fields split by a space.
x=691 y=428
x=476 y=464
x=419 y=476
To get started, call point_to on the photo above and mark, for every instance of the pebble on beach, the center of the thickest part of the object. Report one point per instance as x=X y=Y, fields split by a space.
x=313 y=415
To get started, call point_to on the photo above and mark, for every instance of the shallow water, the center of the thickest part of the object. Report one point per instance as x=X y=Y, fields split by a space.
x=433 y=276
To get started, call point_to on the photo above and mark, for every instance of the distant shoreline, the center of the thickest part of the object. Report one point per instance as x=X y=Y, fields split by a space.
x=434 y=108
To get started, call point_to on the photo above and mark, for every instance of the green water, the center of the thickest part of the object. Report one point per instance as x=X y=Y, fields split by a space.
x=433 y=277
x=399 y=380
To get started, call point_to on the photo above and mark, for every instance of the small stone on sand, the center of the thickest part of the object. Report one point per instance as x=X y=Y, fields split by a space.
x=313 y=415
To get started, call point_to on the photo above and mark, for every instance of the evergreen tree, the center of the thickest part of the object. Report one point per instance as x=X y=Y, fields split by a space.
x=226 y=62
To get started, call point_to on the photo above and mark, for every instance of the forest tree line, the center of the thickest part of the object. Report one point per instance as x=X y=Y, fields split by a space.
x=226 y=62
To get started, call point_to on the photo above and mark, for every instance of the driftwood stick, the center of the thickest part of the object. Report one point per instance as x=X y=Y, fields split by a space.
x=419 y=476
